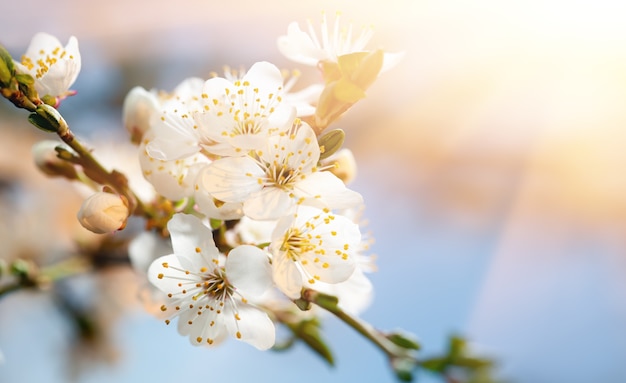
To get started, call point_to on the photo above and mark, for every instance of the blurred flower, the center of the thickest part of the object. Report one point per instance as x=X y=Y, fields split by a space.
x=47 y=159
x=139 y=106
x=278 y=178
x=103 y=213
x=306 y=48
x=209 y=298
x=313 y=245
x=54 y=67
x=343 y=165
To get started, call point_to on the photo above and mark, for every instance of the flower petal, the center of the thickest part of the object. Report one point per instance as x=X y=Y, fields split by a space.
x=268 y=204
x=231 y=179
x=248 y=269
x=191 y=237
x=324 y=189
x=286 y=275
x=253 y=327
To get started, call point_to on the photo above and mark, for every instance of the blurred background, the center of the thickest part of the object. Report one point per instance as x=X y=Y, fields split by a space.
x=491 y=160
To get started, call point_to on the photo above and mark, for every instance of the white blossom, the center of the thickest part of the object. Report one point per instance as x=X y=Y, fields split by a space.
x=211 y=300
x=306 y=47
x=275 y=179
x=238 y=116
x=54 y=67
x=313 y=245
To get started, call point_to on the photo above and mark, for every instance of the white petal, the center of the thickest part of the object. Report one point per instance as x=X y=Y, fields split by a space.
x=157 y=273
x=191 y=238
x=324 y=189
x=213 y=208
x=264 y=76
x=232 y=179
x=254 y=327
x=248 y=269
x=145 y=248
x=299 y=47
x=286 y=275
x=269 y=203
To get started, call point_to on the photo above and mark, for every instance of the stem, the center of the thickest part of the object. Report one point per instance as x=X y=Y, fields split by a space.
x=363 y=328
x=98 y=173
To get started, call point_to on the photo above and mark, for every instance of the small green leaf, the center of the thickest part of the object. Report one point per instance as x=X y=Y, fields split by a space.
x=41 y=123
x=331 y=142
x=436 y=364
x=404 y=341
x=308 y=332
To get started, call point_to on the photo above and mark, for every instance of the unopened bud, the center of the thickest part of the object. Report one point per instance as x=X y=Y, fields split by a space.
x=103 y=213
x=343 y=165
x=51 y=157
x=47 y=118
x=139 y=105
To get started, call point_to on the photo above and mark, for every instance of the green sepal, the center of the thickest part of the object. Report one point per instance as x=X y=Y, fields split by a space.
x=403 y=340
x=42 y=123
x=25 y=79
x=7 y=68
x=331 y=142
x=303 y=304
x=308 y=332
x=403 y=368
x=215 y=223
x=361 y=68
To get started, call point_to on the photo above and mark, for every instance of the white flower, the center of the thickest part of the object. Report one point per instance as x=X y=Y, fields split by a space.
x=238 y=116
x=54 y=67
x=139 y=106
x=156 y=119
x=103 y=213
x=210 y=300
x=306 y=48
x=273 y=181
x=313 y=245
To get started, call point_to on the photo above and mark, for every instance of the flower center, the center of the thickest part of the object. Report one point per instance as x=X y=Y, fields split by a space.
x=297 y=242
x=44 y=61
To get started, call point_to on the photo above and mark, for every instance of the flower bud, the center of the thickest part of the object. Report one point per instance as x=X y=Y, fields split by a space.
x=103 y=213
x=138 y=106
x=51 y=158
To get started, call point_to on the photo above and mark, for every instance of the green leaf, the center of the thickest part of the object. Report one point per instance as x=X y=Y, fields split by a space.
x=308 y=332
x=436 y=364
x=41 y=123
x=404 y=341
x=331 y=142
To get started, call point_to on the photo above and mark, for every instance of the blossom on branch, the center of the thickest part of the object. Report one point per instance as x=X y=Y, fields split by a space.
x=313 y=245
x=273 y=180
x=54 y=67
x=211 y=299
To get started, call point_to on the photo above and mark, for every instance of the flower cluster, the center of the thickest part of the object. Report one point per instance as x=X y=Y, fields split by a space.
x=249 y=184
x=243 y=147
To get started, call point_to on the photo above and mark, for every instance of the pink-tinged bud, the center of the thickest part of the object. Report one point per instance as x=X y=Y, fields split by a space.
x=139 y=105
x=103 y=213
